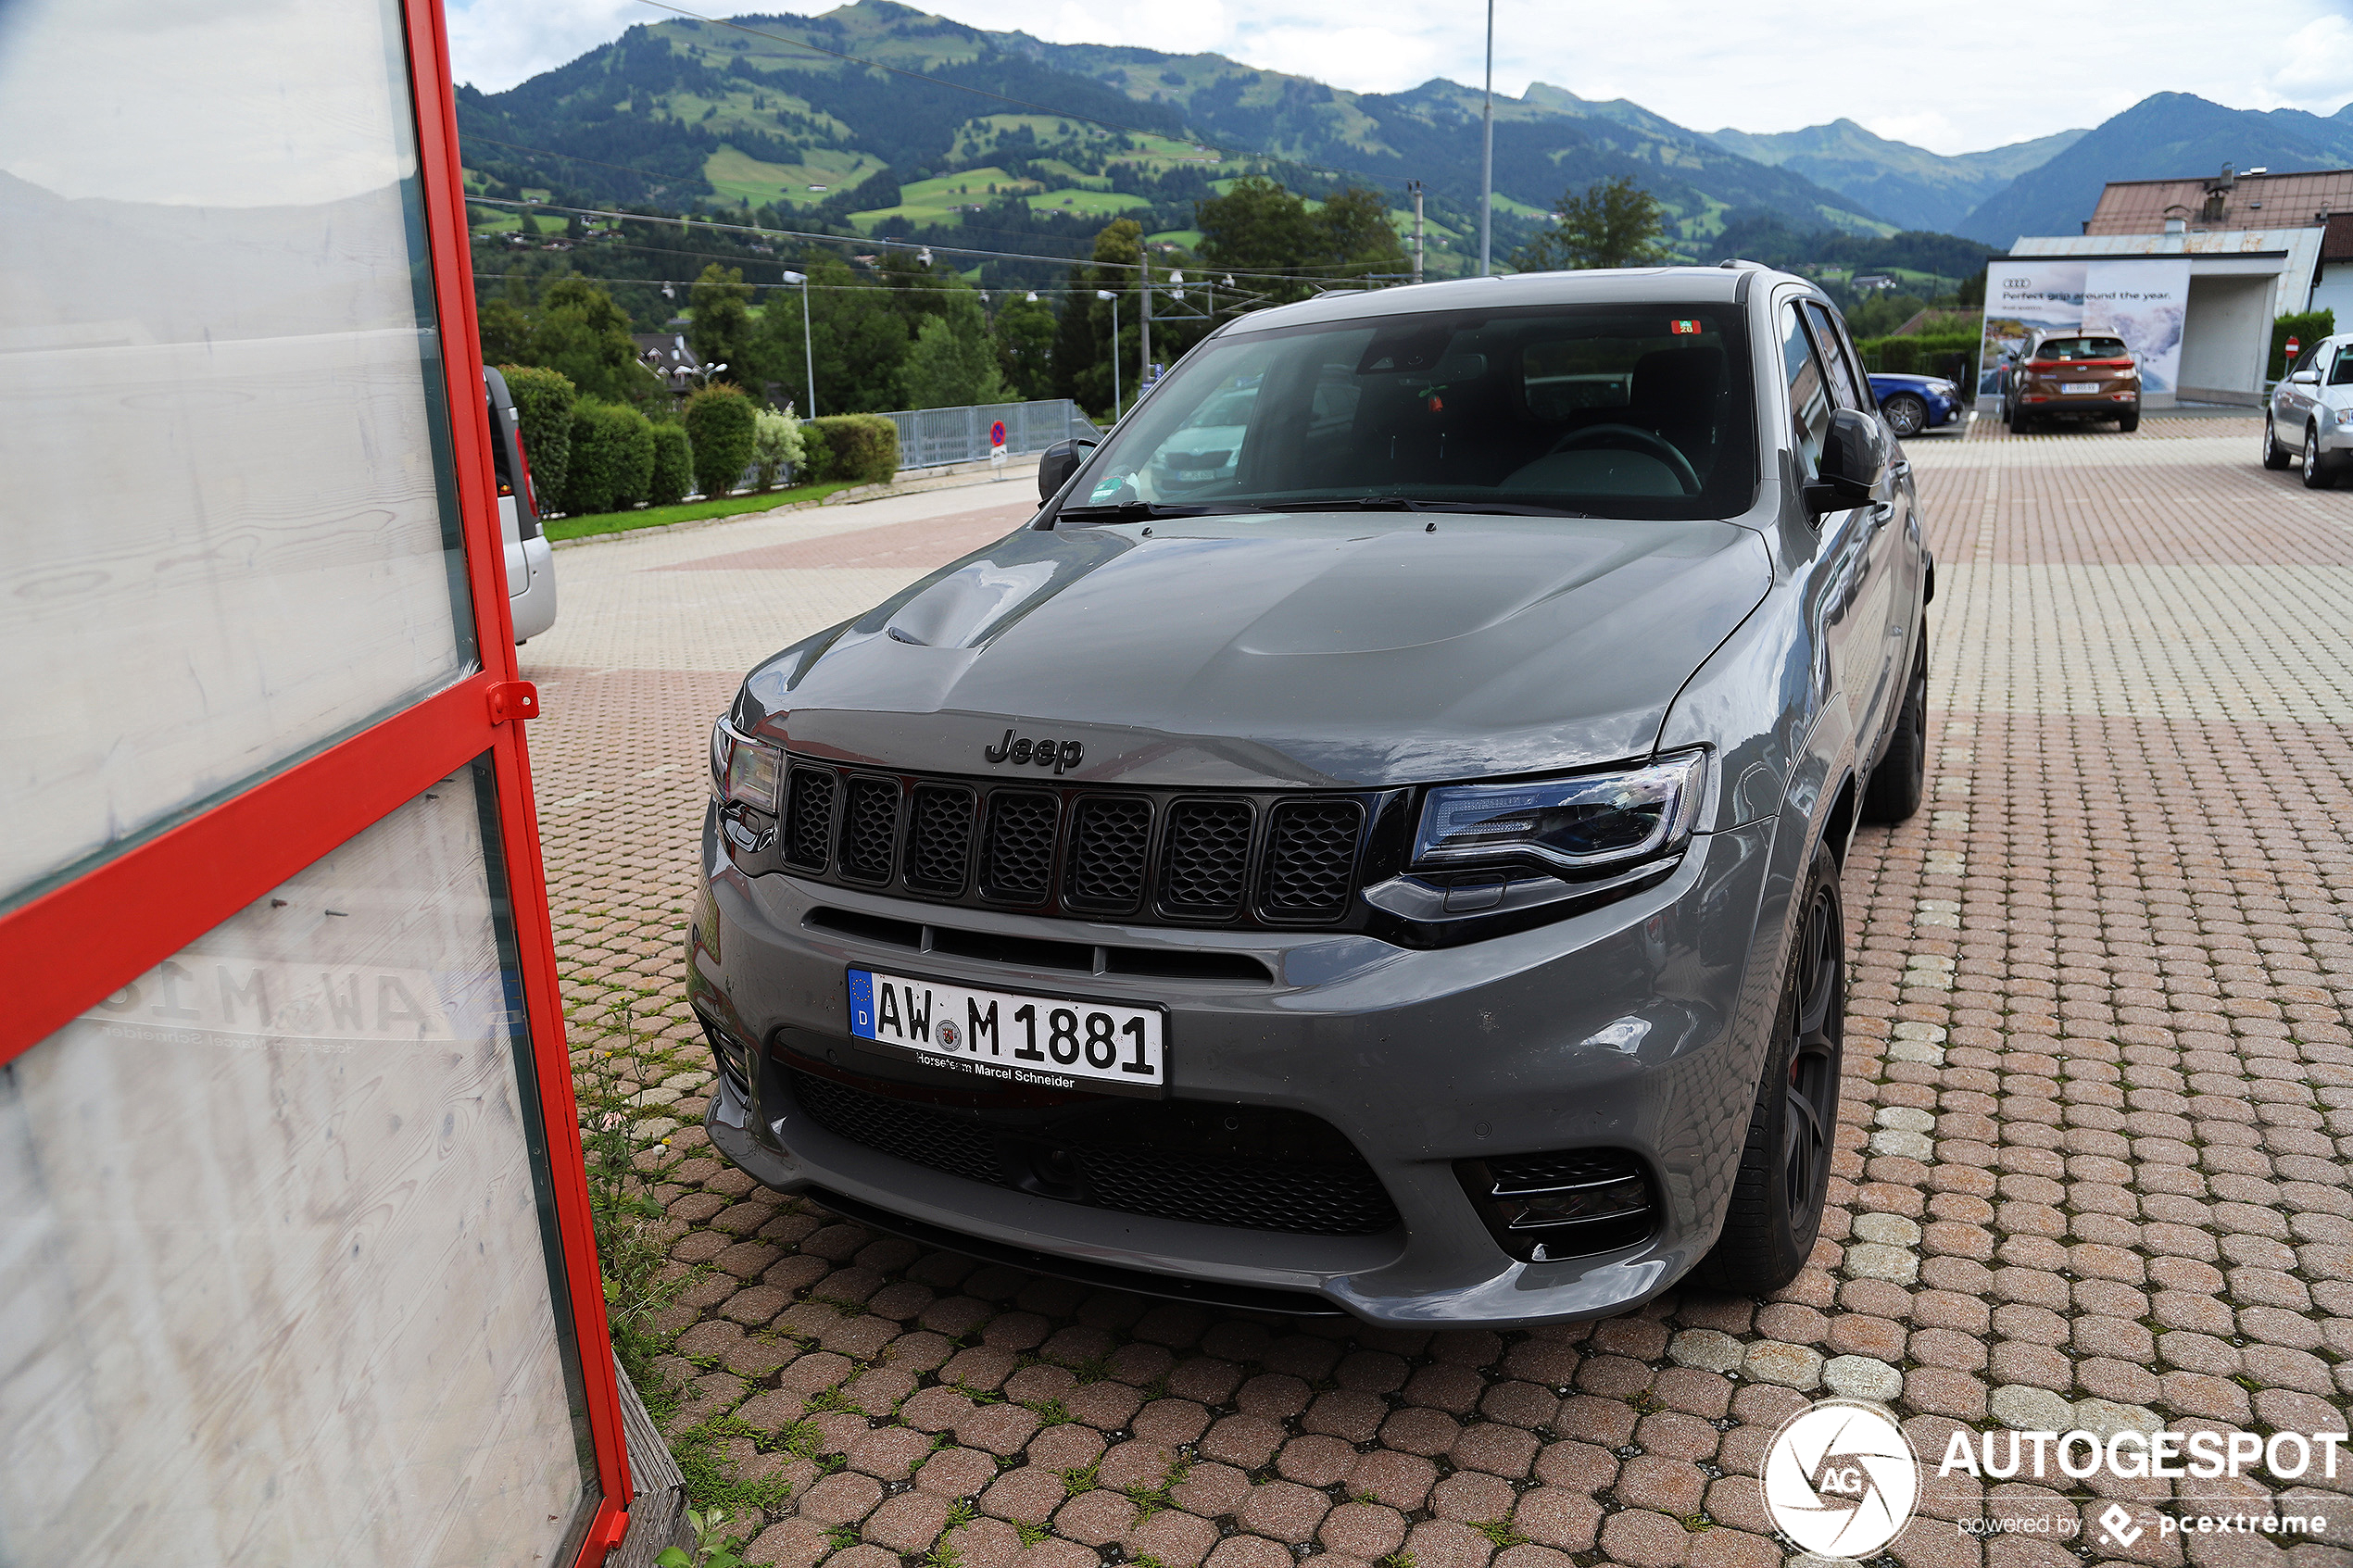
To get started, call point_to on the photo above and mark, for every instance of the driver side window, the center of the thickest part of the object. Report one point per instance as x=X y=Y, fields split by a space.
x=1810 y=394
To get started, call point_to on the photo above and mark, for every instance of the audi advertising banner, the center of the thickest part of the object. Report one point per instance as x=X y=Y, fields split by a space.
x=2141 y=299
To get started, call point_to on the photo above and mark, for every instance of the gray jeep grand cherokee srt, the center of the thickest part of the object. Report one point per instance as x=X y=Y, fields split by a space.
x=1395 y=872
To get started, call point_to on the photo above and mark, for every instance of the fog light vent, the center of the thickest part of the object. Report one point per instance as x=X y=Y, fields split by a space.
x=738 y=1062
x=1571 y=1203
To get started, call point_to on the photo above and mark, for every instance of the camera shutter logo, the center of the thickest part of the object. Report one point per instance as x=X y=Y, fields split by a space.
x=1841 y=1479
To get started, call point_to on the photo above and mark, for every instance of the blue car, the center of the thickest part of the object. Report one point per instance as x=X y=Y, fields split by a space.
x=1913 y=404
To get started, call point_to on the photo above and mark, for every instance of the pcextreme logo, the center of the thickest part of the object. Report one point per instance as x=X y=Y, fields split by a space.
x=1841 y=1479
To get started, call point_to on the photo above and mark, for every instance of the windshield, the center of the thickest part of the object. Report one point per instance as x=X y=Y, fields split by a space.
x=2081 y=348
x=1634 y=411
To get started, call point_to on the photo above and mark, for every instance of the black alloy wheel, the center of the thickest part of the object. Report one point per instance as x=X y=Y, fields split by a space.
x=2275 y=456
x=2317 y=475
x=1775 y=1212
x=1907 y=415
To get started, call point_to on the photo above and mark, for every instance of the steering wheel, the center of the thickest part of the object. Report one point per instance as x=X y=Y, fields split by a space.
x=1648 y=440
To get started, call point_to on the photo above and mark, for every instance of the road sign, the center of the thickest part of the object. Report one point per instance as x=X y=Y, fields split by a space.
x=996 y=433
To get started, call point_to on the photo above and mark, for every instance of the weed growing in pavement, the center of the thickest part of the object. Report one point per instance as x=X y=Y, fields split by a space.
x=1050 y=1412
x=1500 y=1531
x=1082 y=1479
x=1399 y=1560
x=943 y=1555
x=1031 y=1534
x=842 y=1536
x=711 y=1549
x=630 y=1248
x=1150 y=1501
x=701 y=1460
x=959 y=1513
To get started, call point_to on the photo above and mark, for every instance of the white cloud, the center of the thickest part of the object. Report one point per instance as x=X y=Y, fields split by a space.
x=1950 y=82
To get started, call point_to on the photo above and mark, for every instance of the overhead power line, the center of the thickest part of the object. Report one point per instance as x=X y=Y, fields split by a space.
x=890 y=244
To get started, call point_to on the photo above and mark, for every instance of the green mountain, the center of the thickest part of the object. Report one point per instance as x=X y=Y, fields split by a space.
x=682 y=112
x=2163 y=135
x=1907 y=184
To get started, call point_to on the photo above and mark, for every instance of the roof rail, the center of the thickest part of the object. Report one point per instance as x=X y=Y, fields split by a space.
x=1733 y=263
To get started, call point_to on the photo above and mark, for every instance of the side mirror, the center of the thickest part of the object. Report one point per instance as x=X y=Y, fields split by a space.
x=2309 y=377
x=1854 y=462
x=1056 y=464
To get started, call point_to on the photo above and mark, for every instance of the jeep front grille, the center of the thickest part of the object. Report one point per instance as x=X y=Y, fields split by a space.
x=1156 y=856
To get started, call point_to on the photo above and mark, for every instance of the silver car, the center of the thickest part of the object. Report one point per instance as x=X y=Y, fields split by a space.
x=1395 y=874
x=2309 y=419
x=531 y=561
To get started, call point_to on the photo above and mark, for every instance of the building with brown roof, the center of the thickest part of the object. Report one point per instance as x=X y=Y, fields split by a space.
x=2226 y=200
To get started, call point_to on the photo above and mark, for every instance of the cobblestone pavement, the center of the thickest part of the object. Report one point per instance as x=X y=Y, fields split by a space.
x=2092 y=1170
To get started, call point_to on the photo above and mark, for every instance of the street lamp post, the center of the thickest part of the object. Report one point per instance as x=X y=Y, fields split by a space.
x=1487 y=157
x=809 y=353
x=1106 y=293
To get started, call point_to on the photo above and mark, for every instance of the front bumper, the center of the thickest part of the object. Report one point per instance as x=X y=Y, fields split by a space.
x=1637 y=1026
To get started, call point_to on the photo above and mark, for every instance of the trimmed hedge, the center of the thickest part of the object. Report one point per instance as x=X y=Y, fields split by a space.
x=1951 y=354
x=2308 y=327
x=863 y=448
x=674 y=466
x=545 y=399
x=612 y=457
x=720 y=423
x=815 y=457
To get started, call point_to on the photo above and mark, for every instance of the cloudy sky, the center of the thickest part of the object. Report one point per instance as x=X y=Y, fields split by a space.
x=1949 y=78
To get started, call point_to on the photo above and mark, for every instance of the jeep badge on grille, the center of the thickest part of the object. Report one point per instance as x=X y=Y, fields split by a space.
x=1028 y=753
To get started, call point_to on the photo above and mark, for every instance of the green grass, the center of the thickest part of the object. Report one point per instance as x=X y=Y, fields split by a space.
x=1085 y=203
x=654 y=517
x=735 y=174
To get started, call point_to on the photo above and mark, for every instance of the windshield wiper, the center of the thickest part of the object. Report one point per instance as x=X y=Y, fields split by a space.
x=1408 y=504
x=1132 y=511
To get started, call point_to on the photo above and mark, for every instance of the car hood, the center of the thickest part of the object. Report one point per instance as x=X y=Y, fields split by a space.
x=1321 y=650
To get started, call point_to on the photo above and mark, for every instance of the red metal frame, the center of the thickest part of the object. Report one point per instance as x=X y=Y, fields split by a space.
x=84 y=940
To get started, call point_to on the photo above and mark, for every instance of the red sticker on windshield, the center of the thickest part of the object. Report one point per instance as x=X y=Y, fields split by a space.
x=1682 y=329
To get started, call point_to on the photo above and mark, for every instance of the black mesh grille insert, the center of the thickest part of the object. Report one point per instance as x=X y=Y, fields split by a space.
x=1335 y=1194
x=1207 y=865
x=939 y=838
x=870 y=829
x=1307 y=1200
x=912 y=1132
x=1019 y=865
x=1109 y=838
x=1310 y=860
x=810 y=826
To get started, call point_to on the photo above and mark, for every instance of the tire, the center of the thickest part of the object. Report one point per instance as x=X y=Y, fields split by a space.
x=2275 y=456
x=1901 y=777
x=1907 y=415
x=2127 y=423
x=2317 y=474
x=1775 y=1212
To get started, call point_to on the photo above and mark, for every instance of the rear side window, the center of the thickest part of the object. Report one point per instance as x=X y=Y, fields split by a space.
x=2341 y=374
x=1809 y=393
x=1846 y=382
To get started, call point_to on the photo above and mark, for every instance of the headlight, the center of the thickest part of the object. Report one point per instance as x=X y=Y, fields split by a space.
x=1942 y=388
x=1585 y=824
x=745 y=770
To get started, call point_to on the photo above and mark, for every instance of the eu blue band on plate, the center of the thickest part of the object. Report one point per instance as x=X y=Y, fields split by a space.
x=861 y=1004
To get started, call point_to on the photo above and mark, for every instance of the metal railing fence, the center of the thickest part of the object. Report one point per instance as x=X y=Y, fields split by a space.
x=930 y=438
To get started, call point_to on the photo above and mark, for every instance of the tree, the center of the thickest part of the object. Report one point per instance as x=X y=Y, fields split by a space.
x=1024 y=333
x=857 y=335
x=722 y=332
x=720 y=423
x=506 y=333
x=1614 y=223
x=582 y=333
x=951 y=363
x=1262 y=227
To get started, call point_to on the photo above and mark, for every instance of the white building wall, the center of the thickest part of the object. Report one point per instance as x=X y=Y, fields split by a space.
x=2334 y=292
x=2225 y=338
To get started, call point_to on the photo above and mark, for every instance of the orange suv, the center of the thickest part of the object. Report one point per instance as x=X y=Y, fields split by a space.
x=2075 y=375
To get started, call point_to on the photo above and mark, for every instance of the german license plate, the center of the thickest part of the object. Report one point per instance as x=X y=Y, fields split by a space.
x=2080 y=386
x=1012 y=1036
